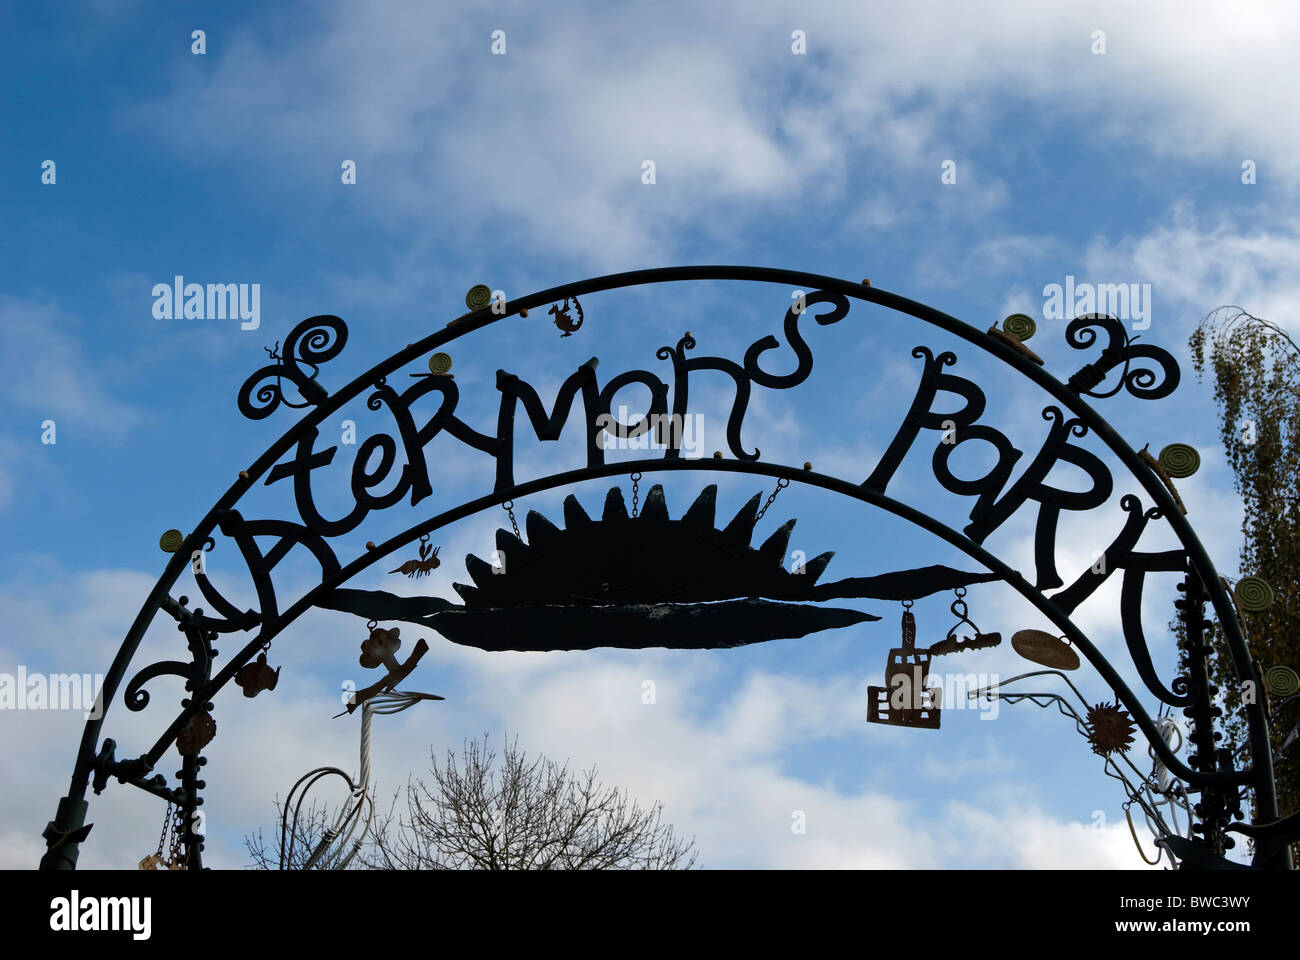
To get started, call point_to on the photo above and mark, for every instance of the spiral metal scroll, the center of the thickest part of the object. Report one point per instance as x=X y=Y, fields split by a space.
x=315 y=341
x=1142 y=382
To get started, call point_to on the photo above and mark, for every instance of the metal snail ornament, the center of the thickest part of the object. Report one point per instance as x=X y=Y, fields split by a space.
x=567 y=325
x=905 y=700
x=951 y=643
x=478 y=297
x=1254 y=594
x=1044 y=648
x=439 y=366
x=1015 y=330
x=257 y=676
x=1180 y=460
x=427 y=562
x=1281 y=681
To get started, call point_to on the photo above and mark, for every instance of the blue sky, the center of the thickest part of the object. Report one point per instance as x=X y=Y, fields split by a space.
x=524 y=171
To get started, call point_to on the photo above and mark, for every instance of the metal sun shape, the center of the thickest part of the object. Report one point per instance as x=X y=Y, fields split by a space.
x=1110 y=729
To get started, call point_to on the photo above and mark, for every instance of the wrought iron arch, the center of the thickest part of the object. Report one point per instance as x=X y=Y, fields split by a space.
x=316 y=341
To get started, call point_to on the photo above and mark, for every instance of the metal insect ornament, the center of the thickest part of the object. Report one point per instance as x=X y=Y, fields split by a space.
x=1110 y=729
x=257 y=676
x=951 y=644
x=562 y=319
x=1043 y=648
x=904 y=700
x=420 y=568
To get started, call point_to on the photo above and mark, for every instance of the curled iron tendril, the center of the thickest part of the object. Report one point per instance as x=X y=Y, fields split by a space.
x=311 y=343
x=1142 y=382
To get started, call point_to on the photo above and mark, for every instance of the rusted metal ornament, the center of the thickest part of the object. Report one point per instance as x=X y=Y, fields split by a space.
x=257 y=676
x=196 y=734
x=380 y=648
x=1043 y=648
x=1110 y=729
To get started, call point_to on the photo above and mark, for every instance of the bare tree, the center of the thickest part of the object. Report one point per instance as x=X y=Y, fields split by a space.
x=518 y=814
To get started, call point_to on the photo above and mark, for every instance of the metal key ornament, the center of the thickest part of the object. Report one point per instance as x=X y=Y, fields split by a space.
x=951 y=643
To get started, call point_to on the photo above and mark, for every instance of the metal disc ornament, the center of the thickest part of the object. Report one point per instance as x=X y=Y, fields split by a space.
x=1180 y=460
x=440 y=363
x=171 y=541
x=1281 y=681
x=1020 y=325
x=1254 y=594
x=478 y=297
x=1042 y=647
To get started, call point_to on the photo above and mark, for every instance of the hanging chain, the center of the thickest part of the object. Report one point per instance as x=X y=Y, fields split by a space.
x=509 y=508
x=162 y=837
x=781 y=484
x=178 y=845
x=152 y=861
x=636 y=493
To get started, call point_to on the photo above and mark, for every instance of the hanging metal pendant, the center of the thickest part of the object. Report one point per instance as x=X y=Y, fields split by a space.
x=954 y=644
x=1043 y=648
x=196 y=734
x=380 y=648
x=905 y=700
x=257 y=676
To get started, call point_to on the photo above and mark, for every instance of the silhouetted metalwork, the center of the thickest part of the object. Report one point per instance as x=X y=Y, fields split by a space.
x=397 y=461
x=566 y=324
x=906 y=699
